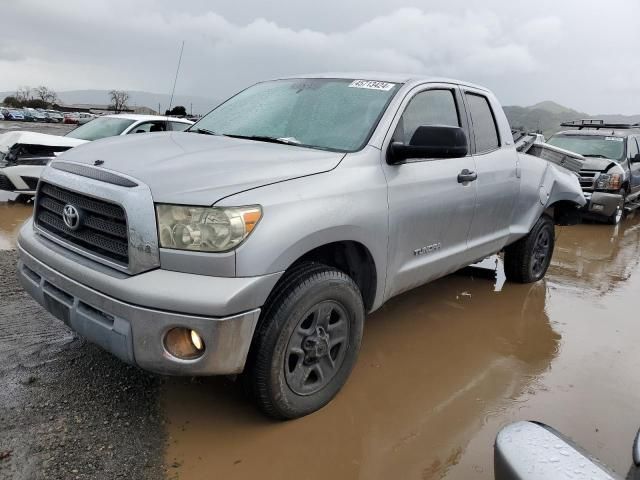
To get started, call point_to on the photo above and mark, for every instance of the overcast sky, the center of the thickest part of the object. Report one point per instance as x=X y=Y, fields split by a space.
x=582 y=54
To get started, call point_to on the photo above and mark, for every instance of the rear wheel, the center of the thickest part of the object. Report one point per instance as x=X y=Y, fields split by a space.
x=528 y=259
x=306 y=343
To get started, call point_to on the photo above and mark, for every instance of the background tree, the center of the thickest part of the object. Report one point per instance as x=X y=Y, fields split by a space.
x=12 y=101
x=23 y=93
x=177 y=111
x=36 y=103
x=45 y=94
x=119 y=99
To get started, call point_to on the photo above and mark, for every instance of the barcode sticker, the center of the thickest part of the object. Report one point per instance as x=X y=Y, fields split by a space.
x=615 y=139
x=372 y=85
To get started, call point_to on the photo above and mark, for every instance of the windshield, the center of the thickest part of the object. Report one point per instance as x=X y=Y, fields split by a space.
x=331 y=114
x=591 y=145
x=100 y=128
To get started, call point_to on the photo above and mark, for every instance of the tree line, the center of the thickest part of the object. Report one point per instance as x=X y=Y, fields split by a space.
x=45 y=97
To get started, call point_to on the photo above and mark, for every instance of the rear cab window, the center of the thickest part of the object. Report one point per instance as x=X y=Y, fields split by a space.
x=483 y=123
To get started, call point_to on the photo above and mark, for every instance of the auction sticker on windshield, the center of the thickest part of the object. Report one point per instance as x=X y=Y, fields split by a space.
x=372 y=85
x=614 y=139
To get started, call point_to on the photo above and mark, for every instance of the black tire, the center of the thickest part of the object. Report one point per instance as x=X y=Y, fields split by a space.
x=527 y=260
x=618 y=215
x=293 y=346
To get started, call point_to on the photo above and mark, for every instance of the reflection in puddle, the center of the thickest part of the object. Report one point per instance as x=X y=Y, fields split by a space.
x=12 y=216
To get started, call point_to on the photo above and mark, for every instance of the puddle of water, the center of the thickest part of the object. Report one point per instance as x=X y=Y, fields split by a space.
x=441 y=370
x=12 y=216
x=434 y=362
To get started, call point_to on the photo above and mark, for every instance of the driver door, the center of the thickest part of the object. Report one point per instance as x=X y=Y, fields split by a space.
x=430 y=211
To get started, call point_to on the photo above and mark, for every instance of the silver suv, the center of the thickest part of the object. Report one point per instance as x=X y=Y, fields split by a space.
x=257 y=241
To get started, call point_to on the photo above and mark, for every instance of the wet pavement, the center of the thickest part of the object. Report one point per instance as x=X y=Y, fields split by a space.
x=442 y=369
x=13 y=213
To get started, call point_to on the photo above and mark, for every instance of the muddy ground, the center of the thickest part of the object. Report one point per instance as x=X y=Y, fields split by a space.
x=442 y=369
x=67 y=409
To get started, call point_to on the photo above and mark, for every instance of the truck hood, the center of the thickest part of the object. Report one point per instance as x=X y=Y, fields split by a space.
x=599 y=164
x=7 y=140
x=195 y=169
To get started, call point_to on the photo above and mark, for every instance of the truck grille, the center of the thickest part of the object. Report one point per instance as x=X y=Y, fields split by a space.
x=102 y=227
x=587 y=179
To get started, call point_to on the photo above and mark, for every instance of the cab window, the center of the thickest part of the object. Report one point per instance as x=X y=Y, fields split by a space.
x=483 y=122
x=147 y=127
x=179 y=126
x=431 y=107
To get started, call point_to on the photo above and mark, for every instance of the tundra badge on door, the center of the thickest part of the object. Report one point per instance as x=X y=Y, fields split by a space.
x=428 y=249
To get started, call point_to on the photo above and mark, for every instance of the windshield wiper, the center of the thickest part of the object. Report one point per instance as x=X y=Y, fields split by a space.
x=593 y=155
x=203 y=131
x=264 y=138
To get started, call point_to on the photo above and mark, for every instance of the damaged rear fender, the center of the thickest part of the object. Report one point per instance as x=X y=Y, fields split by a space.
x=545 y=187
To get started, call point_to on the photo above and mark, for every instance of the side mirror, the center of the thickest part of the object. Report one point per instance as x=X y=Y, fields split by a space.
x=534 y=451
x=636 y=159
x=432 y=141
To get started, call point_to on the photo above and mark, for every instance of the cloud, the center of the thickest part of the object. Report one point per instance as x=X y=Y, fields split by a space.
x=524 y=55
x=143 y=45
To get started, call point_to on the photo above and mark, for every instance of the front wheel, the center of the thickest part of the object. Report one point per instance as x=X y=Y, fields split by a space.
x=528 y=259
x=306 y=343
x=616 y=217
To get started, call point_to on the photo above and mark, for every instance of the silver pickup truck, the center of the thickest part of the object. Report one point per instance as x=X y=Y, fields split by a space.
x=255 y=242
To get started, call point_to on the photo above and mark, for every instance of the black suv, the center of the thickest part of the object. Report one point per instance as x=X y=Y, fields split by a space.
x=610 y=175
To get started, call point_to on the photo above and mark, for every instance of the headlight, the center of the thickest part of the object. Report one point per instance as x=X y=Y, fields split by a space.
x=609 y=181
x=205 y=229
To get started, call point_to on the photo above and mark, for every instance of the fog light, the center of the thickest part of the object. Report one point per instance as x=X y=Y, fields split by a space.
x=196 y=340
x=184 y=343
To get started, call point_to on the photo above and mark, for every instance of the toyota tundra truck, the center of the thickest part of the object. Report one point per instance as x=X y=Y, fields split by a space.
x=256 y=242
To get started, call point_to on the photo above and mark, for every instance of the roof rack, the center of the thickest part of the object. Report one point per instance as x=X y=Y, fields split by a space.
x=597 y=124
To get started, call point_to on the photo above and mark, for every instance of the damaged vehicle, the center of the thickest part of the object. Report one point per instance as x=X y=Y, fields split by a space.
x=610 y=173
x=256 y=242
x=23 y=155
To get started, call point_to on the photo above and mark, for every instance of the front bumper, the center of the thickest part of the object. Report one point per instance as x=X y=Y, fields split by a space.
x=602 y=204
x=134 y=331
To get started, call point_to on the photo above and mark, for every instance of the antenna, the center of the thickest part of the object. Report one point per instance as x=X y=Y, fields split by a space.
x=176 y=78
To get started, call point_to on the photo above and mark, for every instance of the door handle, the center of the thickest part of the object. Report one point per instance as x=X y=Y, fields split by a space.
x=466 y=176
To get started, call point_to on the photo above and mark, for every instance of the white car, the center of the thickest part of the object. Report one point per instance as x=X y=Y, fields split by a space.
x=23 y=155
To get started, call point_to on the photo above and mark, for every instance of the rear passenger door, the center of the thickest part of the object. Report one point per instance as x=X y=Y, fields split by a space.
x=634 y=164
x=496 y=165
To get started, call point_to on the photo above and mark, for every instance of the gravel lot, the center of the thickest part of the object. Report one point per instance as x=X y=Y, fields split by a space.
x=67 y=409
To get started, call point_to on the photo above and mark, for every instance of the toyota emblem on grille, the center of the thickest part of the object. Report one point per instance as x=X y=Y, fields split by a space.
x=71 y=217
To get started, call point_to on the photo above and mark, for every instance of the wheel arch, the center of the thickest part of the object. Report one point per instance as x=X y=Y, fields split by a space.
x=353 y=258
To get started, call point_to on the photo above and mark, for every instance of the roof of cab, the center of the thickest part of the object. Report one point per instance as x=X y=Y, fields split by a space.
x=386 y=77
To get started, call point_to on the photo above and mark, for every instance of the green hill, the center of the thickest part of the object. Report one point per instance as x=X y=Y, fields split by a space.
x=547 y=116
